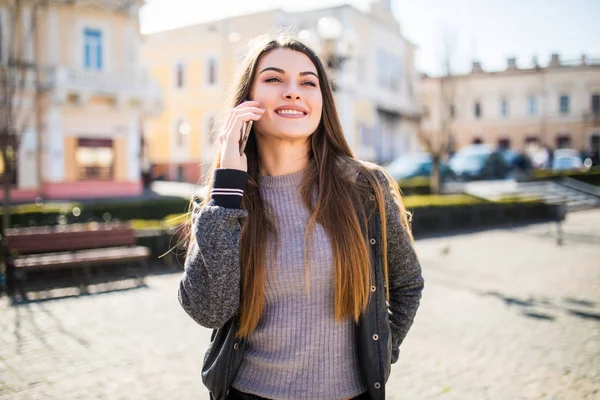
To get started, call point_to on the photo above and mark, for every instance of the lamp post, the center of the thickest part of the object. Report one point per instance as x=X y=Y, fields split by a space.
x=334 y=45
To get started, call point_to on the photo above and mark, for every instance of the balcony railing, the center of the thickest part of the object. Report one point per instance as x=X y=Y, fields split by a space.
x=133 y=86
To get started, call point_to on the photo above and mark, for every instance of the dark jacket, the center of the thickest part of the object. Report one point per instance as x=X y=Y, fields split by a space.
x=207 y=294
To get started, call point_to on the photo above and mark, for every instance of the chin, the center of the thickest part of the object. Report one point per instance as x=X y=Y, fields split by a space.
x=289 y=133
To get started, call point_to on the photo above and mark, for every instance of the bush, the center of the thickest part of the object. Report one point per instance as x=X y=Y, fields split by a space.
x=67 y=213
x=591 y=176
x=415 y=186
x=440 y=200
x=436 y=219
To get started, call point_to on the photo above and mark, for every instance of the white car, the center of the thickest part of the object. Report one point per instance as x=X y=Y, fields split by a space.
x=564 y=163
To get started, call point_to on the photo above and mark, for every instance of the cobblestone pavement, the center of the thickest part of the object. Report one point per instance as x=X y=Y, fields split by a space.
x=506 y=314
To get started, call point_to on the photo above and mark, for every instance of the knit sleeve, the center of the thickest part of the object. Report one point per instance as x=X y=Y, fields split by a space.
x=404 y=270
x=209 y=289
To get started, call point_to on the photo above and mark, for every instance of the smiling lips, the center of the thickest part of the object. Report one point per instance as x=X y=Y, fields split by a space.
x=290 y=112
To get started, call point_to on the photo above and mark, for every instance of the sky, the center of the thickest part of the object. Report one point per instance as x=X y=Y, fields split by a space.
x=489 y=31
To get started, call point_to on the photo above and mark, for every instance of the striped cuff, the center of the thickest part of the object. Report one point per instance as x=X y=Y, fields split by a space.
x=228 y=188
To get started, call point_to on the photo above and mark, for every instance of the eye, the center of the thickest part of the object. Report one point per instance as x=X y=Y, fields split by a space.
x=310 y=83
x=273 y=80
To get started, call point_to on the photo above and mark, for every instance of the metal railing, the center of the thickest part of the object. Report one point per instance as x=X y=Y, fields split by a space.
x=137 y=84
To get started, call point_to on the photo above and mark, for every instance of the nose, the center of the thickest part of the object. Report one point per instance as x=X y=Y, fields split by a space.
x=292 y=93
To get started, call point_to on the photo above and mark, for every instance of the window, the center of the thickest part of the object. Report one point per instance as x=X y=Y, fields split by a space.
x=95 y=159
x=563 y=141
x=92 y=49
x=212 y=71
x=532 y=139
x=503 y=144
x=477 y=110
x=477 y=140
x=179 y=76
x=596 y=104
x=395 y=73
x=389 y=71
x=532 y=106
x=504 y=108
x=381 y=68
x=452 y=111
x=363 y=131
x=564 y=104
x=361 y=69
x=595 y=141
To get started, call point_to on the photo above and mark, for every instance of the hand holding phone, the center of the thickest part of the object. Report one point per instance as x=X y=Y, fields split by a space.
x=246 y=134
x=234 y=136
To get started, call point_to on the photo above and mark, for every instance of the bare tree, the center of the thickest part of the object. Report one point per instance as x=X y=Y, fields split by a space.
x=438 y=141
x=19 y=94
x=19 y=88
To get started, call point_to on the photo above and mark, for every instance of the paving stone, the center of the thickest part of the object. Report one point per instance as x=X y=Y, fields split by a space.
x=506 y=314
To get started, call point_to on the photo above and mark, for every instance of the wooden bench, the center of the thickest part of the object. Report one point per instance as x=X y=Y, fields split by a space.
x=77 y=247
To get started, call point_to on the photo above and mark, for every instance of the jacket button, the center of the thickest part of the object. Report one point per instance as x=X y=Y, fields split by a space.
x=372 y=197
x=377 y=385
x=373 y=288
x=372 y=241
x=235 y=346
x=375 y=337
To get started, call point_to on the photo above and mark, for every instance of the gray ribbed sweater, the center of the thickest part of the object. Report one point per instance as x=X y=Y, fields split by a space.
x=299 y=350
x=209 y=290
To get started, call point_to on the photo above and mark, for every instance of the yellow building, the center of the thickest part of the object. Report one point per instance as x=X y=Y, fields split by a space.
x=377 y=85
x=92 y=98
x=557 y=105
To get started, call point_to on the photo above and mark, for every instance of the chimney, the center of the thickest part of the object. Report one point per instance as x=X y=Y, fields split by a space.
x=476 y=67
x=511 y=64
x=554 y=60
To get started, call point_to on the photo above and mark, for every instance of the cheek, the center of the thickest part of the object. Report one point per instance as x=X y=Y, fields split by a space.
x=317 y=109
x=264 y=94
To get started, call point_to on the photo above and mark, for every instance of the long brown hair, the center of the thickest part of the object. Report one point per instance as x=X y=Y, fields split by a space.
x=339 y=206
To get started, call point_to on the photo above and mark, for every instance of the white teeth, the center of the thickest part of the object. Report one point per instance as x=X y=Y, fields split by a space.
x=290 y=112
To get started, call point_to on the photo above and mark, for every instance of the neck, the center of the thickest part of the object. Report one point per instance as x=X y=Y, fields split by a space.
x=282 y=156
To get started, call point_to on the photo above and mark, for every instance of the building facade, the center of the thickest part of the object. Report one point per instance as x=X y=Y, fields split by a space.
x=553 y=106
x=84 y=138
x=375 y=78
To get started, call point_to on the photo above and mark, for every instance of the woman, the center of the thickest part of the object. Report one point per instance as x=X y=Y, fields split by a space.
x=299 y=248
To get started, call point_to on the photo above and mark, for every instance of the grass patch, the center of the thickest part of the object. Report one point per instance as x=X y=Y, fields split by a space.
x=441 y=200
x=549 y=174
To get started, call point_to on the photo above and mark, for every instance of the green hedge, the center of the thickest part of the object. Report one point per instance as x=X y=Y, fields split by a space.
x=415 y=186
x=55 y=213
x=592 y=176
x=440 y=219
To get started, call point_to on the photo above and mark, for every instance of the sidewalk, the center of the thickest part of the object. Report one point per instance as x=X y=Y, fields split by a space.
x=506 y=314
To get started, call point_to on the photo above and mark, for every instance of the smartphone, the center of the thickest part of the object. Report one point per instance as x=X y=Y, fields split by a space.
x=245 y=136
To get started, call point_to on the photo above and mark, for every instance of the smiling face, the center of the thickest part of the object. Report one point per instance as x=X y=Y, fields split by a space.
x=286 y=84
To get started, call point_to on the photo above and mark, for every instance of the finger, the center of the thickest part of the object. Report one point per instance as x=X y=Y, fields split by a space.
x=233 y=113
x=238 y=111
x=238 y=122
x=248 y=103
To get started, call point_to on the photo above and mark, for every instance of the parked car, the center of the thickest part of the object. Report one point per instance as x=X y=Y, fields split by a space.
x=413 y=166
x=566 y=163
x=566 y=159
x=478 y=162
x=510 y=157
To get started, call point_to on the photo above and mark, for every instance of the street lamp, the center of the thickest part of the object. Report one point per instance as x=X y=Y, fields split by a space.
x=333 y=44
x=330 y=32
x=184 y=128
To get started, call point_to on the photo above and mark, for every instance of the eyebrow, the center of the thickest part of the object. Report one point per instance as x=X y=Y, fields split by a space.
x=283 y=72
